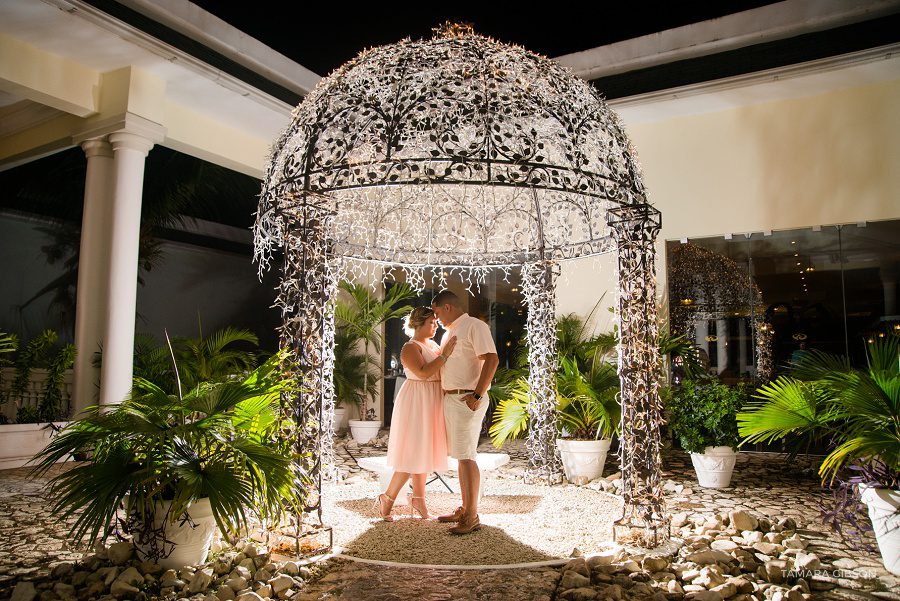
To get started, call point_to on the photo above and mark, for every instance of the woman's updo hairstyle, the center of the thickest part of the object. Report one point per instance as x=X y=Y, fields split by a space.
x=416 y=319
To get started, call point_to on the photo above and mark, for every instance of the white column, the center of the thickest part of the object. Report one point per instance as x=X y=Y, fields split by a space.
x=742 y=347
x=701 y=331
x=118 y=348
x=721 y=346
x=93 y=268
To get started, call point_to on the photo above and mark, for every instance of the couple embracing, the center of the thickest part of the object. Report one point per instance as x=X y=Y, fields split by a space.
x=440 y=407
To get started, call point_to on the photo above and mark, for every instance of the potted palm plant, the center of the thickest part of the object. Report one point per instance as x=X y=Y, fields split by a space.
x=362 y=317
x=354 y=376
x=587 y=404
x=702 y=416
x=172 y=466
x=858 y=411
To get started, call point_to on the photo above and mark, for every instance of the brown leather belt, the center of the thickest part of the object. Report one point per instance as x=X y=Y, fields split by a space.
x=458 y=391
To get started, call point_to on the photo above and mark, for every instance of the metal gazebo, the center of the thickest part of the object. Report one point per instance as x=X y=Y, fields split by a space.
x=464 y=154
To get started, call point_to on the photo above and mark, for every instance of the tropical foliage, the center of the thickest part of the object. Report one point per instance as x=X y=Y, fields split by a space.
x=37 y=354
x=703 y=414
x=222 y=440
x=361 y=319
x=221 y=356
x=587 y=386
x=857 y=410
x=354 y=372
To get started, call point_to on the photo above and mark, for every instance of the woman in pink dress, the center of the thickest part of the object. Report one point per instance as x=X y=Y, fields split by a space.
x=418 y=442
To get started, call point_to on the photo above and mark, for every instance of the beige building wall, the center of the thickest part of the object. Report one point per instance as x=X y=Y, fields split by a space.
x=821 y=160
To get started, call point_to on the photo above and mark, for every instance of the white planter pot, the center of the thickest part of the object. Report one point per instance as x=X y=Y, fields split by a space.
x=583 y=459
x=883 y=504
x=187 y=542
x=714 y=467
x=20 y=442
x=339 y=413
x=364 y=430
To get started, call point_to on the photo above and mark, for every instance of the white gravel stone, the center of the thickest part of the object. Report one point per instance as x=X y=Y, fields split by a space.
x=24 y=591
x=201 y=581
x=225 y=593
x=123 y=590
x=120 y=553
x=131 y=576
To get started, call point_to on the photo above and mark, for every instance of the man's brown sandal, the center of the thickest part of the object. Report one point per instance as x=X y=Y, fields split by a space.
x=466 y=525
x=453 y=517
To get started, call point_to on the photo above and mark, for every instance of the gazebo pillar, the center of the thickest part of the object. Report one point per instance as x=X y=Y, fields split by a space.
x=539 y=289
x=635 y=230
x=306 y=297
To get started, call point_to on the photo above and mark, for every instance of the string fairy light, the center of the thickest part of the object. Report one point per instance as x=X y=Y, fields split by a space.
x=450 y=158
x=704 y=286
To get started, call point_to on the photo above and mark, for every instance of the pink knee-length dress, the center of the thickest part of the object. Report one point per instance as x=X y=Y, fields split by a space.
x=418 y=441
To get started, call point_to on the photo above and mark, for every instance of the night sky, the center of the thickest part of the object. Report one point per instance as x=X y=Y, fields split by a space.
x=322 y=39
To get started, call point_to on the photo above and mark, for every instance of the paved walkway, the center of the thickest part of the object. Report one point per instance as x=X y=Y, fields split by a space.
x=32 y=541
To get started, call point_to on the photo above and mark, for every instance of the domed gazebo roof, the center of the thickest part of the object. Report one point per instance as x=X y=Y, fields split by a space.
x=454 y=151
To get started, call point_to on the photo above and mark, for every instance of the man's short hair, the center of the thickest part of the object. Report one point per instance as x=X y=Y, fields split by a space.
x=445 y=297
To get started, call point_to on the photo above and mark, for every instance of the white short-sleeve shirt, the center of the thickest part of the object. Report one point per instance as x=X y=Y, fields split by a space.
x=463 y=367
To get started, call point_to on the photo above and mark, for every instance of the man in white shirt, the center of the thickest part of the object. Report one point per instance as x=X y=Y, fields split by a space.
x=465 y=377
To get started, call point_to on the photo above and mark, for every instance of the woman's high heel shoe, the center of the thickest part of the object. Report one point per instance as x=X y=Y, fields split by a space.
x=379 y=505
x=422 y=511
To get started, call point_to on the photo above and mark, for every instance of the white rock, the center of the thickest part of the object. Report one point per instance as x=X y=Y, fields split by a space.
x=264 y=591
x=280 y=583
x=131 y=576
x=766 y=548
x=224 y=593
x=845 y=563
x=120 y=553
x=752 y=536
x=241 y=572
x=707 y=596
x=62 y=570
x=238 y=583
x=111 y=576
x=101 y=551
x=262 y=575
x=741 y=520
x=709 y=557
x=122 y=590
x=291 y=567
x=24 y=591
x=679 y=520
x=65 y=591
x=201 y=581
x=222 y=566
x=251 y=550
x=724 y=545
x=807 y=561
x=249 y=596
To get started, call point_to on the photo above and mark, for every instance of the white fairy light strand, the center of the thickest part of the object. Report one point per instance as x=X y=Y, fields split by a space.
x=445 y=159
x=539 y=290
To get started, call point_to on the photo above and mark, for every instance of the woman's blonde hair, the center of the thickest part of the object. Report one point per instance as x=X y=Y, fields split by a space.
x=416 y=319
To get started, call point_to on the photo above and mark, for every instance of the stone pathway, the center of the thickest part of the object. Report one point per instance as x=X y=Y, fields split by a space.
x=33 y=541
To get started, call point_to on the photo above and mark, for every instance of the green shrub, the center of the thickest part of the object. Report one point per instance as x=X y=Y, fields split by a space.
x=704 y=414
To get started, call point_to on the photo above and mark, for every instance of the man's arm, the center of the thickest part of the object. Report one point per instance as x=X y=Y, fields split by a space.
x=491 y=362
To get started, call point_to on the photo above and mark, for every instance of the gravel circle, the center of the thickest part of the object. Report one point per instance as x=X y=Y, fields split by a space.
x=520 y=524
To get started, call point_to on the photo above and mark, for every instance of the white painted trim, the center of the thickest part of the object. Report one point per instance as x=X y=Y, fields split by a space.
x=151 y=44
x=824 y=65
x=774 y=22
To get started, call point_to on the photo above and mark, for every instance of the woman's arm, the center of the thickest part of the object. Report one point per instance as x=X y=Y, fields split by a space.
x=412 y=359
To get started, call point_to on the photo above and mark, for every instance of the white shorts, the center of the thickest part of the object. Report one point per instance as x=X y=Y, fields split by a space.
x=463 y=425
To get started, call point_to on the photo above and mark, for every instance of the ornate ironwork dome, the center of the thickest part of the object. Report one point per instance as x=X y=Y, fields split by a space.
x=454 y=151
